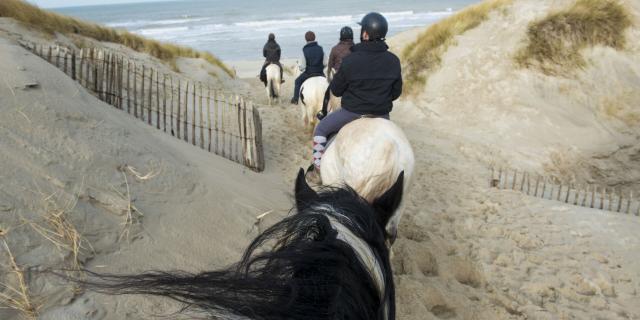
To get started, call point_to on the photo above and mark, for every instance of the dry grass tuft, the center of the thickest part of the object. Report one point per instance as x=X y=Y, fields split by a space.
x=132 y=214
x=16 y=296
x=623 y=107
x=424 y=55
x=554 y=42
x=51 y=23
x=59 y=230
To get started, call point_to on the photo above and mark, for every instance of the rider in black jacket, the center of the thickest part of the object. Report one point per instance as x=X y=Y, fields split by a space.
x=271 y=53
x=368 y=81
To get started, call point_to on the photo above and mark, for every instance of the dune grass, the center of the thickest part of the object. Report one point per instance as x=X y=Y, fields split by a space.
x=424 y=55
x=16 y=296
x=554 y=42
x=50 y=23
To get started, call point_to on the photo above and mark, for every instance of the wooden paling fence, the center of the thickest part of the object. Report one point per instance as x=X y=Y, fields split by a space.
x=587 y=195
x=222 y=123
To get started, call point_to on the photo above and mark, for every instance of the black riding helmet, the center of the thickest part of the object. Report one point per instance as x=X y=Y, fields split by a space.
x=346 y=33
x=375 y=25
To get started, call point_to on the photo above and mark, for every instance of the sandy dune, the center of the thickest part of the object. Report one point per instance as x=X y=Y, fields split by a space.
x=465 y=251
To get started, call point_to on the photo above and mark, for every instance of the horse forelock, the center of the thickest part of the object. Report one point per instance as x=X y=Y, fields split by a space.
x=353 y=234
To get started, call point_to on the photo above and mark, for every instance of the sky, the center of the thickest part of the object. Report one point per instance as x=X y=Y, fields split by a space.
x=73 y=3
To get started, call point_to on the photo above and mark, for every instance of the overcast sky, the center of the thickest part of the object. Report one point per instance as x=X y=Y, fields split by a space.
x=72 y=3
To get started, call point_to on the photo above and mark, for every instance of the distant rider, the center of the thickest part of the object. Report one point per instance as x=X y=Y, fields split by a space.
x=369 y=80
x=338 y=52
x=271 y=53
x=312 y=64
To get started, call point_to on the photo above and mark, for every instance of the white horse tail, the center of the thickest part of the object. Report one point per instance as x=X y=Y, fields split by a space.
x=272 y=89
x=273 y=82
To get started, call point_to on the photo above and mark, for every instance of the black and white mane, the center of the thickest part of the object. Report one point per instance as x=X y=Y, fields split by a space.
x=328 y=261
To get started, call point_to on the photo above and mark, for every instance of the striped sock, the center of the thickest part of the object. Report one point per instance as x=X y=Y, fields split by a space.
x=319 y=143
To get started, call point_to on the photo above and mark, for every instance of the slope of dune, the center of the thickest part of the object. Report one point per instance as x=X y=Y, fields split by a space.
x=531 y=119
x=78 y=175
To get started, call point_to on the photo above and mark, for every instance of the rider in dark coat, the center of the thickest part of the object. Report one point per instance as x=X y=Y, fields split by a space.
x=369 y=80
x=338 y=53
x=313 y=64
x=341 y=50
x=271 y=53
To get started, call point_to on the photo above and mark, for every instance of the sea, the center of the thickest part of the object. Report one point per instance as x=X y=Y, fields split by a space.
x=237 y=29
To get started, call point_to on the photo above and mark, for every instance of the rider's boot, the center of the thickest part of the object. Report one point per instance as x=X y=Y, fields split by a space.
x=313 y=173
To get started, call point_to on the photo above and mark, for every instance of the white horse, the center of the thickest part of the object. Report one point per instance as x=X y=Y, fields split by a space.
x=311 y=96
x=273 y=83
x=368 y=154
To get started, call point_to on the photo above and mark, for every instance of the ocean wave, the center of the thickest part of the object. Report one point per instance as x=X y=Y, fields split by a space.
x=143 y=23
x=338 y=20
x=164 y=32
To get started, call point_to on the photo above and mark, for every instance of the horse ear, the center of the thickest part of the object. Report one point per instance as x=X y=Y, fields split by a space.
x=387 y=203
x=303 y=192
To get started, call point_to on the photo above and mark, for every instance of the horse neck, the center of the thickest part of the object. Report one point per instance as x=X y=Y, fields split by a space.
x=374 y=259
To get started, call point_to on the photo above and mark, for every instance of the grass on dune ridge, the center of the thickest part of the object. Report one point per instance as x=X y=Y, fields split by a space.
x=424 y=55
x=50 y=22
x=554 y=42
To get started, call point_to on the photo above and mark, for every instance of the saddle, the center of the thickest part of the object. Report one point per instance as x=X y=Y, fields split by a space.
x=316 y=74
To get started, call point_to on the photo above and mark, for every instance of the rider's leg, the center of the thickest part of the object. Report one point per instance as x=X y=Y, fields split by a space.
x=263 y=73
x=296 y=89
x=331 y=124
x=325 y=104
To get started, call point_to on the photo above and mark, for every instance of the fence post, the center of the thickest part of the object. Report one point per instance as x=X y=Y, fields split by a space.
x=120 y=77
x=142 y=94
x=112 y=79
x=245 y=139
x=171 y=111
x=216 y=110
x=222 y=128
x=87 y=67
x=164 y=101
x=95 y=75
x=186 y=113
x=236 y=143
x=209 y=115
x=201 y=118
x=258 y=127
x=150 y=102
x=178 y=114
x=65 y=63
x=193 y=116
x=73 y=65
x=158 y=100
x=105 y=76
x=559 y=190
